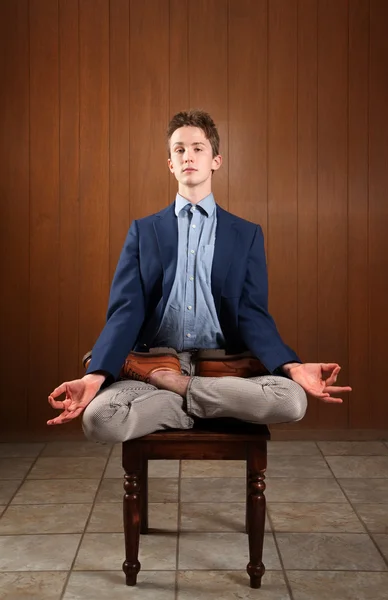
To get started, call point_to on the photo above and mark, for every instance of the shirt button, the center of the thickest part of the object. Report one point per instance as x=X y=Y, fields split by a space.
x=191 y=278
x=192 y=251
x=188 y=334
x=193 y=226
x=194 y=207
x=189 y=307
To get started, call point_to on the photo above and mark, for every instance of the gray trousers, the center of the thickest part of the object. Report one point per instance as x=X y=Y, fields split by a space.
x=129 y=409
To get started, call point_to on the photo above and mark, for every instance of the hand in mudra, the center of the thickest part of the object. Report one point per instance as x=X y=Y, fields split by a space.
x=318 y=379
x=78 y=394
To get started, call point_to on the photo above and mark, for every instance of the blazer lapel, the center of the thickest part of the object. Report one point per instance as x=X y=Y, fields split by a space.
x=166 y=231
x=225 y=239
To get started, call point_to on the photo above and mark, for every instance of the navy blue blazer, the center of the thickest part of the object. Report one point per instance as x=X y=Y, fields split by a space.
x=144 y=277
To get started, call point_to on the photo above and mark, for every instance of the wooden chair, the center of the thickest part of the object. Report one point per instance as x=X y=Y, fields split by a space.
x=214 y=439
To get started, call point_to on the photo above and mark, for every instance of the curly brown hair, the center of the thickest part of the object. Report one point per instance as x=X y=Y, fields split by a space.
x=195 y=118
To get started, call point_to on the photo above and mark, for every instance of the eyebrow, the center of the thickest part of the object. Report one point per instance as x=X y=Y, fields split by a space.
x=193 y=144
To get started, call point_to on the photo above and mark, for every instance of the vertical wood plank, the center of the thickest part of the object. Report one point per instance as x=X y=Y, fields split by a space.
x=378 y=210
x=94 y=169
x=179 y=68
x=247 y=67
x=44 y=207
x=208 y=69
x=282 y=167
x=69 y=234
x=14 y=213
x=360 y=414
x=149 y=106
x=332 y=196
x=307 y=193
x=119 y=200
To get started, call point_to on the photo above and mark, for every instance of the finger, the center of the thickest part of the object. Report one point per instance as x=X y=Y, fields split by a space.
x=333 y=377
x=336 y=389
x=65 y=417
x=56 y=403
x=59 y=390
x=333 y=400
x=326 y=367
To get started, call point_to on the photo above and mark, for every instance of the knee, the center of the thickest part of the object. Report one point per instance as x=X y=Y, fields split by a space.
x=96 y=423
x=297 y=400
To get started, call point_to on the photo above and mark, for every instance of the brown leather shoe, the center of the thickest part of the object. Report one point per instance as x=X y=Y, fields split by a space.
x=215 y=363
x=141 y=365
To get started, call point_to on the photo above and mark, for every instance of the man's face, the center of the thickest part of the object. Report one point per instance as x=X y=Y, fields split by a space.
x=192 y=159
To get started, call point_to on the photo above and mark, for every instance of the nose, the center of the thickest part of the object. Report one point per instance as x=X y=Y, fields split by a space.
x=188 y=157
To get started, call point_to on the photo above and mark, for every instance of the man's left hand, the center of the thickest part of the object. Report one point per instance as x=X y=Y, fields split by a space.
x=317 y=379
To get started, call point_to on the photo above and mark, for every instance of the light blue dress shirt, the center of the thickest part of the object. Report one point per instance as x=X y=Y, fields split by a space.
x=190 y=319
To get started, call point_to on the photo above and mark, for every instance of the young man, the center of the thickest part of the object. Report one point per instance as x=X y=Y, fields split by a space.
x=190 y=278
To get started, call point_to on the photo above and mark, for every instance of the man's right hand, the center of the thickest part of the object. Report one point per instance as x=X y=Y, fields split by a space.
x=79 y=393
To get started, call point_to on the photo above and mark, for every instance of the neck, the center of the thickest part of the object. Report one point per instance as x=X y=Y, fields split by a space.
x=195 y=194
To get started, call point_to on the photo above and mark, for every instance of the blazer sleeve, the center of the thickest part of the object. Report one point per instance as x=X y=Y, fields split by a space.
x=256 y=326
x=125 y=313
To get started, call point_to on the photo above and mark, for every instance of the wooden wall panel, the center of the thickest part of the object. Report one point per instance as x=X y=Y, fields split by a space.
x=307 y=227
x=332 y=196
x=119 y=160
x=179 y=69
x=94 y=169
x=298 y=89
x=282 y=166
x=378 y=208
x=69 y=232
x=44 y=207
x=247 y=86
x=208 y=87
x=360 y=414
x=14 y=212
x=148 y=102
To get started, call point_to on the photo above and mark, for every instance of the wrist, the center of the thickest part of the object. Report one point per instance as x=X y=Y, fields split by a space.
x=95 y=378
x=289 y=366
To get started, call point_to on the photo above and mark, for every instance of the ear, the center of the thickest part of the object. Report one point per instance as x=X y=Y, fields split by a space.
x=216 y=162
x=170 y=165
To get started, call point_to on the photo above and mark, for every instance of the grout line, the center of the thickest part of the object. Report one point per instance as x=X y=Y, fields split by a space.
x=24 y=479
x=93 y=504
x=283 y=569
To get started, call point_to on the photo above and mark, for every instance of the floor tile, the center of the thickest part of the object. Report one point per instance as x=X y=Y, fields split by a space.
x=381 y=540
x=43 y=518
x=353 y=448
x=105 y=551
x=359 y=466
x=37 y=552
x=108 y=517
x=156 y=468
x=213 y=468
x=292 y=489
x=337 y=585
x=7 y=490
x=67 y=468
x=57 y=491
x=27 y=450
x=328 y=551
x=225 y=551
x=214 y=516
x=297 y=466
x=76 y=449
x=375 y=516
x=32 y=586
x=114 y=468
x=213 y=489
x=298 y=448
x=105 y=585
x=314 y=517
x=14 y=468
x=361 y=490
x=230 y=585
x=159 y=490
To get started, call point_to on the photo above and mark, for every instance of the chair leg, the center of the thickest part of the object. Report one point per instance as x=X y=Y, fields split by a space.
x=256 y=514
x=144 y=497
x=131 y=513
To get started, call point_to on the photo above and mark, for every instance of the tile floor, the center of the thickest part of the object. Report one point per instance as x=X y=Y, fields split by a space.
x=327 y=527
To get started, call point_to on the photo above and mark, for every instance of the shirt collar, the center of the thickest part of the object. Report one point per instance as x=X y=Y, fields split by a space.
x=207 y=204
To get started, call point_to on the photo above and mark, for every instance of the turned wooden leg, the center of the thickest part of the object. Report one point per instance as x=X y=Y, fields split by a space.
x=256 y=516
x=131 y=510
x=144 y=498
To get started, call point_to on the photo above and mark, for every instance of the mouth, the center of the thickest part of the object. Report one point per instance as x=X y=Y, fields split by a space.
x=189 y=170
